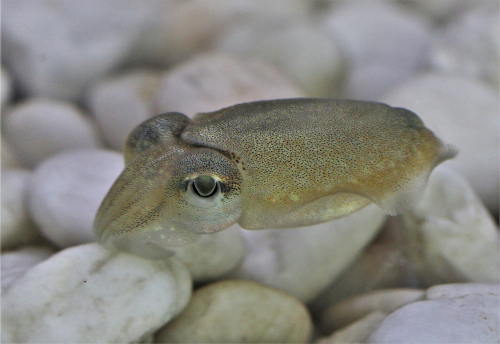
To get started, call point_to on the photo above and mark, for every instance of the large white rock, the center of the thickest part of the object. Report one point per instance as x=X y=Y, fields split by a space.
x=39 y=128
x=303 y=261
x=384 y=45
x=469 y=45
x=469 y=318
x=90 y=294
x=122 y=102
x=299 y=50
x=214 y=255
x=16 y=263
x=66 y=191
x=55 y=48
x=462 y=112
x=17 y=226
x=209 y=82
x=239 y=312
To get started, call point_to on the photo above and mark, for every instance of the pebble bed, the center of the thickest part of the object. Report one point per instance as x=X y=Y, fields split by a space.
x=78 y=75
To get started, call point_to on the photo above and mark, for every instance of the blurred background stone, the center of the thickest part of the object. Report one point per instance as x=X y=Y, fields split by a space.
x=6 y=86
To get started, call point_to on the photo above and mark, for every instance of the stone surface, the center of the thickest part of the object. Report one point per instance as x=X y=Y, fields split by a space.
x=462 y=112
x=17 y=227
x=213 y=256
x=384 y=45
x=66 y=191
x=299 y=50
x=209 y=82
x=472 y=318
x=239 y=312
x=453 y=237
x=303 y=261
x=6 y=86
x=354 y=308
x=456 y=290
x=469 y=45
x=122 y=102
x=90 y=294
x=39 y=128
x=16 y=263
x=357 y=332
x=55 y=48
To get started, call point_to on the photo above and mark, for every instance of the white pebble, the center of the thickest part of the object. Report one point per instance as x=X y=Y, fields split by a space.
x=467 y=319
x=17 y=226
x=16 y=263
x=122 y=102
x=55 y=48
x=462 y=112
x=6 y=87
x=212 y=81
x=384 y=44
x=39 y=128
x=239 y=312
x=66 y=191
x=90 y=294
x=212 y=256
x=356 y=307
x=455 y=237
x=469 y=45
x=299 y=50
x=303 y=261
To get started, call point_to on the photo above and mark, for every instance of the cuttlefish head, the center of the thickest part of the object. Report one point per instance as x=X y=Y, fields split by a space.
x=168 y=194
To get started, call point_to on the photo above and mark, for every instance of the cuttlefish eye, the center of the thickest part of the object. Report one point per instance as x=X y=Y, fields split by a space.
x=203 y=190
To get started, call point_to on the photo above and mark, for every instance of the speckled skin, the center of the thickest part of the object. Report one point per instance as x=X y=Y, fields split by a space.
x=283 y=163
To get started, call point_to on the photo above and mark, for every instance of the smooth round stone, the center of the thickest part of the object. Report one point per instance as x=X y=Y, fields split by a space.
x=39 y=128
x=465 y=319
x=454 y=236
x=16 y=263
x=469 y=45
x=462 y=112
x=90 y=294
x=455 y=290
x=6 y=86
x=17 y=227
x=303 y=261
x=66 y=191
x=239 y=312
x=184 y=28
x=356 y=307
x=299 y=50
x=212 y=81
x=357 y=332
x=56 y=48
x=384 y=45
x=213 y=256
x=121 y=103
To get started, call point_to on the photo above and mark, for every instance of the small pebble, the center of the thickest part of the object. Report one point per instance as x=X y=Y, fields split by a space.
x=90 y=294
x=462 y=112
x=384 y=44
x=213 y=256
x=16 y=263
x=66 y=191
x=472 y=318
x=17 y=226
x=299 y=50
x=121 y=103
x=352 y=309
x=303 y=261
x=39 y=128
x=210 y=82
x=239 y=312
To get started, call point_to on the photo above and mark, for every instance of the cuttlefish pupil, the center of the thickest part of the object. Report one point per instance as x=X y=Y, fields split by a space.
x=267 y=164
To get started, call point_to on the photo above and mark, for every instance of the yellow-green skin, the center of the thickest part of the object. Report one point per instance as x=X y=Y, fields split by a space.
x=283 y=163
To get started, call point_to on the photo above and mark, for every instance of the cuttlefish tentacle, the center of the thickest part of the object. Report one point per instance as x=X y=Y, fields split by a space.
x=268 y=164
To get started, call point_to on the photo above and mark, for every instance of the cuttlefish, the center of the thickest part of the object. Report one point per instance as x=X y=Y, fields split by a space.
x=266 y=164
